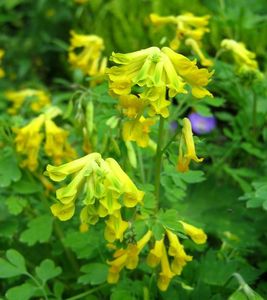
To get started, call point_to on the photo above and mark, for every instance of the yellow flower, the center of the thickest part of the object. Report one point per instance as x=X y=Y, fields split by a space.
x=128 y=258
x=155 y=254
x=131 y=105
x=242 y=56
x=28 y=140
x=176 y=249
x=196 y=234
x=166 y=274
x=103 y=183
x=89 y=58
x=187 y=150
x=196 y=48
x=2 y=72
x=187 y=26
x=138 y=131
x=56 y=145
x=37 y=99
x=115 y=227
x=63 y=212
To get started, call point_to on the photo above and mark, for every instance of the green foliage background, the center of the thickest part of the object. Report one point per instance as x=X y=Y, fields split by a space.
x=226 y=195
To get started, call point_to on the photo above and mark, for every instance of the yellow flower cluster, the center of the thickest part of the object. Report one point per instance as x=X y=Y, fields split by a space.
x=243 y=57
x=158 y=255
x=28 y=141
x=85 y=53
x=37 y=99
x=159 y=74
x=2 y=72
x=106 y=188
x=189 y=30
x=187 y=150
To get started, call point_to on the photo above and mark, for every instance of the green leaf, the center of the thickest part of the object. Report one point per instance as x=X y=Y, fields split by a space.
x=26 y=186
x=14 y=266
x=158 y=231
x=24 y=291
x=96 y=273
x=47 y=270
x=15 y=204
x=9 y=170
x=170 y=220
x=39 y=230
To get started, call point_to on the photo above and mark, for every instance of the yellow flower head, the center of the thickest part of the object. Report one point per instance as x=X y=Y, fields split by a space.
x=138 y=131
x=28 y=140
x=37 y=99
x=242 y=56
x=187 y=150
x=187 y=26
x=102 y=182
x=152 y=67
x=56 y=144
x=196 y=234
x=89 y=58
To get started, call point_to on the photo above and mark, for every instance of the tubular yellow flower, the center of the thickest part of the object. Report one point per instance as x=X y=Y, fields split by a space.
x=63 y=212
x=196 y=48
x=37 y=99
x=187 y=150
x=89 y=59
x=155 y=254
x=56 y=145
x=166 y=274
x=196 y=234
x=176 y=249
x=28 y=140
x=102 y=183
x=131 y=105
x=126 y=258
x=242 y=56
x=115 y=227
x=138 y=131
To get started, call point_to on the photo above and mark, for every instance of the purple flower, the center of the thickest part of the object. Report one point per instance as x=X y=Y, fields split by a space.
x=201 y=124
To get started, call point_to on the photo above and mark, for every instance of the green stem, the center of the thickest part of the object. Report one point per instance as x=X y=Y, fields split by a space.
x=169 y=142
x=37 y=284
x=82 y=295
x=141 y=165
x=158 y=161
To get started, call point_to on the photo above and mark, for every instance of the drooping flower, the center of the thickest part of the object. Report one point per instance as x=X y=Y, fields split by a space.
x=166 y=273
x=189 y=30
x=101 y=183
x=85 y=53
x=196 y=234
x=37 y=99
x=138 y=131
x=155 y=254
x=56 y=144
x=28 y=140
x=131 y=105
x=243 y=57
x=128 y=258
x=187 y=150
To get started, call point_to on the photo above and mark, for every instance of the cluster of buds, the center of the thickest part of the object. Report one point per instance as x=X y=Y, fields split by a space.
x=190 y=30
x=37 y=99
x=159 y=74
x=29 y=138
x=89 y=60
